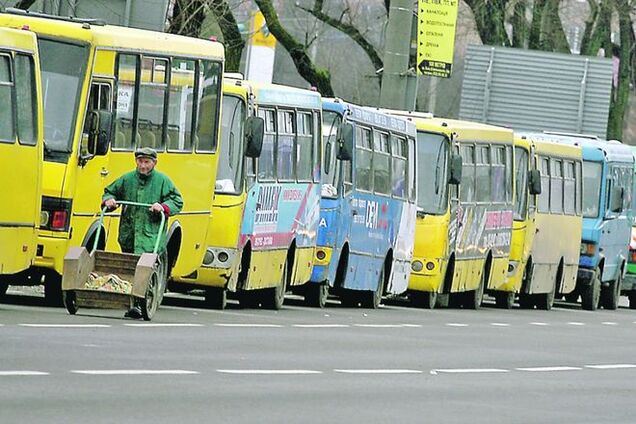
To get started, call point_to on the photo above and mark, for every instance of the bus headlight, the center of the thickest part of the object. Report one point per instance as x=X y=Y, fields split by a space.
x=223 y=257
x=430 y=266
x=321 y=255
x=417 y=266
x=588 y=249
x=44 y=218
x=208 y=258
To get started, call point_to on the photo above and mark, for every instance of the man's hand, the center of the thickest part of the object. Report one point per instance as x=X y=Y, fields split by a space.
x=157 y=208
x=111 y=204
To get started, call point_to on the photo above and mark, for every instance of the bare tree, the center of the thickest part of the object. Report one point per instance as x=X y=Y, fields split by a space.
x=234 y=43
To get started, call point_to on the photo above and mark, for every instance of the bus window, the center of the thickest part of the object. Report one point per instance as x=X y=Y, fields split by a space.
x=285 y=146
x=26 y=100
x=544 y=197
x=432 y=160
x=521 y=184
x=556 y=186
x=330 y=123
x=509 y=170
x=467 y=188
x=209 y=87
x=412 y=175
x=364 y=154
x=399 y=148
x=498 y=180
x=230 y=173
x=305 y=147
x=317 y=146
x=126 y=86
x=152 y=94
x=381 y=163
x=180 y=105
x=6 y=100
x=569 y=188
x=592 y=172
x=482 y=174
x=579 y=188
x=266 y=159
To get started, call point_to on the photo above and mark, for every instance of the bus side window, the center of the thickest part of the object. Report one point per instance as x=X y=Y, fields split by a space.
x=305 y=147
x=627 y=185
x=579 y=188
x=556 y=186
x=399 y=155
x=181 y=99
x=482 y=174
x=99 y=99
x=544 y=197
x=209 y=88
x=317 y=144
x=412 y=163
x=7 y=129
x=569 y=188
x=508 y=171
x=125 y=101
x=285 y=145
x=363 y=162
x=26 y=100
x=381 y=163
x=467 y=188
x=498 y=177
x=266 y=159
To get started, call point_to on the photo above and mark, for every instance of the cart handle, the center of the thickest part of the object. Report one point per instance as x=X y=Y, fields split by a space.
x=136 y=204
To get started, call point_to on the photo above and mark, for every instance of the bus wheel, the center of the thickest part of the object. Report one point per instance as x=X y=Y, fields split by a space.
x=275 y=296
x=473 y=298
x=425 y=300
x=610 y=295
x=525 y=301
x=215 y=298
x=544 y=301
x=316 y=294
x=632 y=299
x=504 y=300
x=591 y=294
x=70 y=301
x=372 y=299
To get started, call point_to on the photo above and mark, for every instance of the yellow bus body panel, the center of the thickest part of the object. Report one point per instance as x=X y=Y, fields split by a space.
x=430 y=247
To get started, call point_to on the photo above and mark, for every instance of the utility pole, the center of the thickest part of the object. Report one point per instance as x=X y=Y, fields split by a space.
x=396 y=55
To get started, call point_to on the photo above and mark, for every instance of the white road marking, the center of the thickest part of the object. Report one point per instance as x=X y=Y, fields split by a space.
x=456 y=324
x=609 y=323
x=576 y=323
x=377 y=371
x=540 y=324
x=611 y=366
x=21 y=373
x=164 y=325
x=499 y=324
x=134 y=372
x=378 y=325
x=66 y=325
x=412 y=325
x=249 y=325
x=321 y=325
x=270 y=372
x=549 y=369
x=467 y=370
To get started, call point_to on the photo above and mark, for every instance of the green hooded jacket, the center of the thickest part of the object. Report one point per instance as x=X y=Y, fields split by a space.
x=138 y=227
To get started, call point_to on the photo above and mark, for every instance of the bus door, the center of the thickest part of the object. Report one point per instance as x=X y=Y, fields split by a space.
x=617 y=225
x=20 y=167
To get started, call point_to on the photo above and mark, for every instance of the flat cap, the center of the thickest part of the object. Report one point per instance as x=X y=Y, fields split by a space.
x=146 y=152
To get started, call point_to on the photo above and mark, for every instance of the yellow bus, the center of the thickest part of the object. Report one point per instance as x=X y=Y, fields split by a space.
x=20 y=152
x=548 y=220
x=464 y=218
x=266 y=210
x=108 y=90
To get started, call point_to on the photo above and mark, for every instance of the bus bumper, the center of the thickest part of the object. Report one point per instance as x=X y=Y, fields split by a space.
x=426 y=275
x=322 y=259
x=50 y=253
x=629 y=283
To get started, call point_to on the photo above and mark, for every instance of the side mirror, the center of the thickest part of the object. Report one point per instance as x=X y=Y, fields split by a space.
x=100 y=124
x=534 y=181
x=455 y=174
x=618 y=194
x=254 y=134
x=345 y=141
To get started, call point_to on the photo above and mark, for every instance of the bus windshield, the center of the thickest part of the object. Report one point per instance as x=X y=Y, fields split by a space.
x=230 y=172
x=330 y=124
x=592 y=173
x=432 y=162
x=63 y=69
x=521 y=189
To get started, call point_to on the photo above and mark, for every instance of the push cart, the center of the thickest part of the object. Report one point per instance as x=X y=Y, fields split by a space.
x=110 y=280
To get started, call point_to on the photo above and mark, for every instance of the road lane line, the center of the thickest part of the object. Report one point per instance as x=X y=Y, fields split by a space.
x=549 y=369
x=134 y=372
x=499 y=324
x=467 y=370
x=249 y=325
x=456 y=324
x=321 y=325
x=66 y=325
x=576 y=323
x=378 y=325
x=22 y=373
x=611 y=366
x=412 y=325
x=609 y=323
x=377 y=371
x=164 y=325
x=268 y=372
x=540 y=324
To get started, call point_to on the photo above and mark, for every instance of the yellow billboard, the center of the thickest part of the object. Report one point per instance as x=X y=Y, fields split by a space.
x=437 y=20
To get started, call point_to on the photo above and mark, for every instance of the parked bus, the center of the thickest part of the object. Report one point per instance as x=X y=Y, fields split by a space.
x=264 y=223
x=629 y=284
x=108 y=90
x=367 y=217
x=20 y=152
x=608 y=169
x=547 y=220
x=463 y=231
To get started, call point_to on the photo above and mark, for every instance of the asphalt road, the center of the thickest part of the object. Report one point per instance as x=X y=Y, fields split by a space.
x=395 y=364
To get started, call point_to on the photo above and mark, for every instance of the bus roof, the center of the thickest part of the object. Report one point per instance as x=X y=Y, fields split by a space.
x=282 y=95
x=370 y=116
x=594 y=149
x=17 y=40
x=235 y=87
x=114 y=37
x=542 y=145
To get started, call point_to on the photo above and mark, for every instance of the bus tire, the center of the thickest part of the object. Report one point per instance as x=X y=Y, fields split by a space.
x=525 y=301
x=544 y=301
x=632 y=299
x=70 y=302
x=611 y=294
x=424 y=300
x=275 y=296
x=473 y=298
x=591 y=294
x=372 y=299
x=215 y=298
x=316 y=294
x=504 y=300
x=4 y=286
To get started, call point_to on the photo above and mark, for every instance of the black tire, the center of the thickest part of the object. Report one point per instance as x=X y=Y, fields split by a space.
x=632 y=299
x=150 y=303
x=4 y=286
x=275 y=297
x=504 y=300
x=473 y=298
x=591 y=294
x=215 y=298
x=373 y=299
x=611 y=294
x=424 y=300
x=545 y=301
x=70 y=302
x=526 y=301
x=316 y=294
x=53 y=290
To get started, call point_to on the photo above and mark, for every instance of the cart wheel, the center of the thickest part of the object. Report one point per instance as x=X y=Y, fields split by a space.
x=150 y=303
x=70 y=301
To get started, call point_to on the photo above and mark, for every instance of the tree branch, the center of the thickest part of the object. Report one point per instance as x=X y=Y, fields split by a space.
x=24 y=4
x=232 y=39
